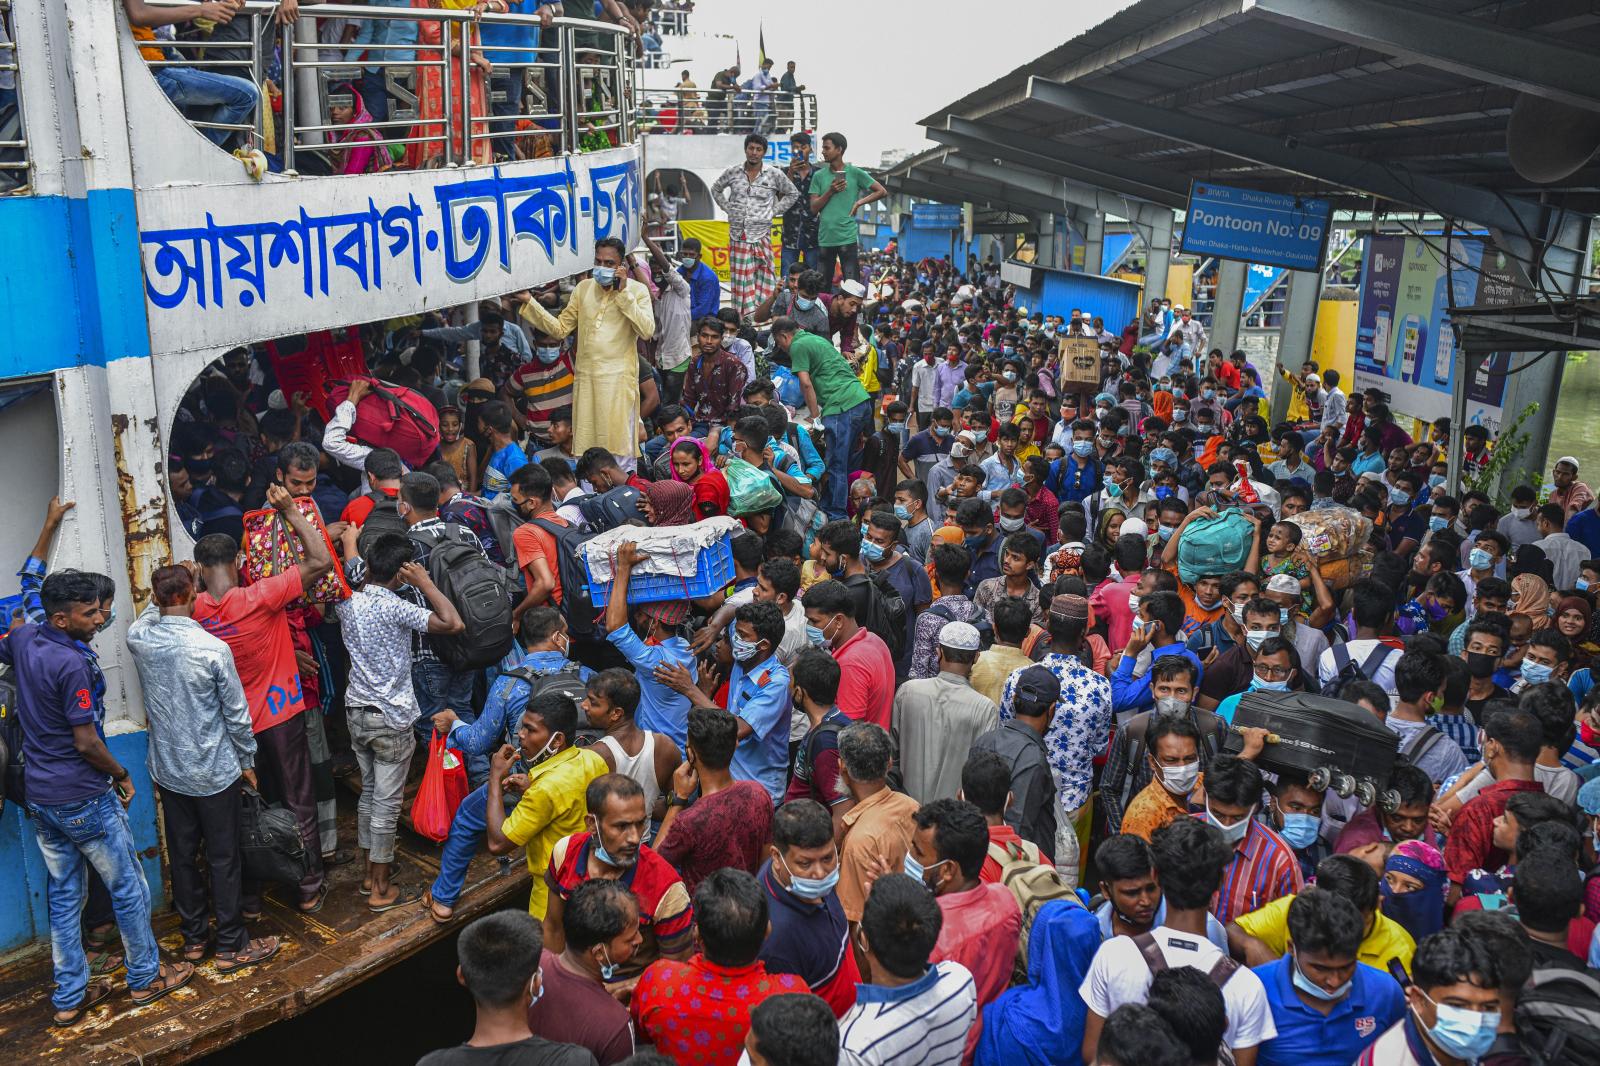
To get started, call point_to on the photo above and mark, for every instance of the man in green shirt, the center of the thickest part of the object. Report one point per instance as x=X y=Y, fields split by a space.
x=838 y=191
x=835 y=395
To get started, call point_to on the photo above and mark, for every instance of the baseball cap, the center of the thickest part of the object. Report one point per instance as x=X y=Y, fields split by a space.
x=1036 y=685
x=959 y=636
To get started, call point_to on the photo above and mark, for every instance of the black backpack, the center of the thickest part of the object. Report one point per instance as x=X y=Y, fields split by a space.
x=568 y=682
x=576 y=607
x=479 y=588
x=11 y=762
x=886 y=611
x=1558 y=1018
x=504 y=518
x=608 y=510
x=1348 y=671
x=383 y=518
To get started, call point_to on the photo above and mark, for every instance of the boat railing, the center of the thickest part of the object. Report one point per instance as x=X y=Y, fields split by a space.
x=570 y=90
x=701 y=111
x=13 y=136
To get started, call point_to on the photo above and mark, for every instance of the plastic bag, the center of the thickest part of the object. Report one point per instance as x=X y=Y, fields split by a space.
x=444 y=786
x=750 y=489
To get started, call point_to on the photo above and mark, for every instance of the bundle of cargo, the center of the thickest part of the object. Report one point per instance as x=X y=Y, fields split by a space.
x=1336 y=537
x=683 y=562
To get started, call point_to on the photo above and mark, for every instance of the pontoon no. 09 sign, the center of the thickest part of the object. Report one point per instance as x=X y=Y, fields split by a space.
x=1270 y=228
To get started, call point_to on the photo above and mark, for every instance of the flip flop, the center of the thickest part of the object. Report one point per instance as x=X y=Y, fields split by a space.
x=404 y=896
x=93 y=996
x=168 y=979
x=339 y=857
x=255 y=951
x=316 y=904
x=433 y=909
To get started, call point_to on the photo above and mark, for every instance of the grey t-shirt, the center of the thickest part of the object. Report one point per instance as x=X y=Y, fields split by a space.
x=813 y=319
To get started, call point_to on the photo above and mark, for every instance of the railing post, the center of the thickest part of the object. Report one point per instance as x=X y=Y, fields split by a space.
x=446 y=92
x=466 y=93
x=255 y=78
x=569 y=92
x=308 y=95
x=286 y=132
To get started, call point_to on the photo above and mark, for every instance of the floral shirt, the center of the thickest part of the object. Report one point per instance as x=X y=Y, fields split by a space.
x=1080 y=729
x=752 y=205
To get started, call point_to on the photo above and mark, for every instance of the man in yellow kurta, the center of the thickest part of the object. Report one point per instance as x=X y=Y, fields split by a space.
x=611 y=312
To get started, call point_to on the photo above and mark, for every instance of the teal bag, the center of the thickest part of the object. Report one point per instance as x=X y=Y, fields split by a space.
x=1211 y=547
x=751 y=490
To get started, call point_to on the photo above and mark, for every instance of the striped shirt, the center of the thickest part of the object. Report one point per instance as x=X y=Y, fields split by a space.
x=1461 y=728
x=1262 y=869
x=924 y=1023
x=543 y=390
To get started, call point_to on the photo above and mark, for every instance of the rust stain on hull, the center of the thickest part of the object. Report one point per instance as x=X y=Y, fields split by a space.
x=144 y=521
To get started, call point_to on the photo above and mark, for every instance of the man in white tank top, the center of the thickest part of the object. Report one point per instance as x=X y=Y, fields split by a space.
x=649 y=758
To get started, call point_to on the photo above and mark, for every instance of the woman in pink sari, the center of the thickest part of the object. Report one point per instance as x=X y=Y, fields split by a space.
x=692 y=466
x=430 y=87
x=360 y=154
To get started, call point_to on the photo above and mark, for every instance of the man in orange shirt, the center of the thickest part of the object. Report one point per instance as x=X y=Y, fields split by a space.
x=535 y=545
x=1173 y=749
x=877 y=830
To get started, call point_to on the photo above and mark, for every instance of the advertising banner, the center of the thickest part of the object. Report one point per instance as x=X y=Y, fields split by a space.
x=1270 y=228
x=1405 y=345
x=713 y=238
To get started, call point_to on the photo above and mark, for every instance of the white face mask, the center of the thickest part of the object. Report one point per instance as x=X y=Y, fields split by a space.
x=1179 y=780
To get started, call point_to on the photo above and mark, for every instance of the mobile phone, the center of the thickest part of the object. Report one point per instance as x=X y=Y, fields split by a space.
x=1380 y=334
x=1444 y=353
x=1410 y=339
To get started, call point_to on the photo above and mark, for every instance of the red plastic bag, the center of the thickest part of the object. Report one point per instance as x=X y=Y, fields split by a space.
x=444 y=786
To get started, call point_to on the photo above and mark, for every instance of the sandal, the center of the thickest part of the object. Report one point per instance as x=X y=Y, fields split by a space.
x=338 y=857
x=434 y=909
x=93 y=996
x=100 y=939
x=168 y=979
x=315 y=905
x=255 y=951
x=404 y=896
x=104 y=963
x=196 y=952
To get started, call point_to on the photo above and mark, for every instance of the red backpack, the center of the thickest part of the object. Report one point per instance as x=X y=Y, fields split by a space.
x=392 y=417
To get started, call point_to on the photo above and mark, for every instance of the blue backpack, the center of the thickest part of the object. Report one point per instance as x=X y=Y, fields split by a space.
x=1214 y=546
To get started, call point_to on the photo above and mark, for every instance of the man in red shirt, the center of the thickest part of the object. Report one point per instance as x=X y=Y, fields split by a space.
x=698 y=1012
x=1511 y=743
x=253 y=623
x=982 y=922
x=866 y=670
x=613 y=848
x=986 y=784
x=384 y=471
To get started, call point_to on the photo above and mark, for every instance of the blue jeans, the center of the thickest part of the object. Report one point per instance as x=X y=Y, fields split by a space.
x=437 y=687
x=791 y=256
x=95 y=830
x=466 y=836
x=208 y=97
x=508 y=110
x=845 y=443
x=374 y=89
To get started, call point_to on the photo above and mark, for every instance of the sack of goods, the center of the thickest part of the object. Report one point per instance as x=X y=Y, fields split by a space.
x=1335 y=744
x=1337 y=538
x=1217 y=545
x=682 y=562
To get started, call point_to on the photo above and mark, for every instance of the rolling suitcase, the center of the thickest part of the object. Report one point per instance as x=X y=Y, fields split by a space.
x=1334 y=743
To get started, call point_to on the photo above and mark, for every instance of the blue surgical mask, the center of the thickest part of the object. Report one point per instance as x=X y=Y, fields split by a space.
x=1435 y=480
x=1300 y=830
x=1283 y=616
x=1535 y=673
x=1164 y=531
x=1180 y=414
x=1231 y=833
x=1256 y=638
x=1314 y=990
x=902 y=512
x=1399 y=497
x=608 y=969
x=803 y=304
x=915 y=869
x=1258 y=685
x=1582 y=584
x=1113 y=489
x=1466 y=1034
x=605 y=276
x=548 y=355
x=1208 y=394
x=1438 y=522
x=1479 y=559
x=941 y=431
x=817 y=638
x=870 y=552
x=605 y=856
x=816 y=887
x=1083 y=448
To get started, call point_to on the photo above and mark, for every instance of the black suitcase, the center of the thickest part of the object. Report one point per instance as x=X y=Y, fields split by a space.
x=1336 y=744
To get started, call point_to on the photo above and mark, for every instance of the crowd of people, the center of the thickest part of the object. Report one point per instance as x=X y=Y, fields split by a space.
x=948 y=772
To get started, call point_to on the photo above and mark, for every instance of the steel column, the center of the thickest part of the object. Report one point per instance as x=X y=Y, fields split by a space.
x=1232 y=275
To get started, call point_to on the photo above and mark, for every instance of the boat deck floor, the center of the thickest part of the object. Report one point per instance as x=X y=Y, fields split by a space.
x=322 y=955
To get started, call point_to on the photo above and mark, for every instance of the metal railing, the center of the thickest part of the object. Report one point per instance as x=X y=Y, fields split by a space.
x=14 y=164
x=725 y=111
x=669 y=22
x=567 y=88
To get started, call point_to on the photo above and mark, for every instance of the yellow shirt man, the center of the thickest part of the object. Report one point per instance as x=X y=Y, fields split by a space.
x=1386 y=939
x=989 y=673
x=553 y=807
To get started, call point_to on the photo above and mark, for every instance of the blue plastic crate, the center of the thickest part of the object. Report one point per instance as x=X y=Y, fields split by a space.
x=713 y=572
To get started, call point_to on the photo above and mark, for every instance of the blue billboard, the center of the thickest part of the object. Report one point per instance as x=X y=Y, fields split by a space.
x=1273 y=229
x=935 y=216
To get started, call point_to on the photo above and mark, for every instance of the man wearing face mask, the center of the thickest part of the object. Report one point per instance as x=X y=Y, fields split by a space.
x=600 y=924
x=611 y=312
x=705 y=291
x=1079 y=475
x=1262 y=866
x=1328 y=1008
x=809 y=935
x=1172 y=762
x=982 y=921
x=1127 y=772
x=1452 y=1005
x=611 y=847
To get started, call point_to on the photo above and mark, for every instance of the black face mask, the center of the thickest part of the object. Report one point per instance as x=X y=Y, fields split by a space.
x=1481 y=665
